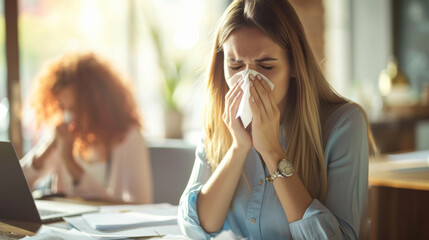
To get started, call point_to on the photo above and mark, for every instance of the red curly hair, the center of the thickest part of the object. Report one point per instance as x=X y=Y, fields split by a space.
x=105 y=105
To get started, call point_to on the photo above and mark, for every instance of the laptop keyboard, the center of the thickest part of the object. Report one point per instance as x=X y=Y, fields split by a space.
x=44 y=212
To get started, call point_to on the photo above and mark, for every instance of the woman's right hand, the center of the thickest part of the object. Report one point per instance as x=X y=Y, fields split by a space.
x=40 y=158
x=241 y=138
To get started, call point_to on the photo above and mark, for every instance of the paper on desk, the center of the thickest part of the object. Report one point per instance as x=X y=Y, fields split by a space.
x=136 y=215
x=52 y=233
x=408 y=162
x=81 y=225
x=159 y=208
x=419 y=156
x=172 y=237
x=227 y=235
x=122 y=220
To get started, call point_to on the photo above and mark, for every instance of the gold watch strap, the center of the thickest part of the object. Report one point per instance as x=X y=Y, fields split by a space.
x=270 y=178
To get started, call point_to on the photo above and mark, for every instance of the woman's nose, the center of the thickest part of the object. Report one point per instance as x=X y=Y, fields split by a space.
x=250 y=66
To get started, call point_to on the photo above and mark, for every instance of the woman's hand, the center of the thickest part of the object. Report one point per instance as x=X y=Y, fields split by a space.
x=64 y=141
x=41 y=156
x=266 y=120
x=241 y=138
x=214 y=199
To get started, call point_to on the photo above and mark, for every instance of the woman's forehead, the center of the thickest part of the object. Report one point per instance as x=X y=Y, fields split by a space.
x=249 y=44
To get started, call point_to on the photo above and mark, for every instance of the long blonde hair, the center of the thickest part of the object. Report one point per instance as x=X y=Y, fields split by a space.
x=310 y=97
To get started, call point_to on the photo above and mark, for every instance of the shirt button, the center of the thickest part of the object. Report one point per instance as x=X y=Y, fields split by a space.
x=261 y=182
x=252 y=220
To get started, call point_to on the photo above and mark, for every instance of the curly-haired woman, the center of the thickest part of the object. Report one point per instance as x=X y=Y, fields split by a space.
x=96 y=149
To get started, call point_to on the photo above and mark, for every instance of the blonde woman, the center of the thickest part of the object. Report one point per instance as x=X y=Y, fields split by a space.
x=300 y=169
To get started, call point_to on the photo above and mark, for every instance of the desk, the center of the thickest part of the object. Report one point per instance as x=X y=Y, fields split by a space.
x=16 y=229
x=398 y=204
x=384 y=173
x=398 y=199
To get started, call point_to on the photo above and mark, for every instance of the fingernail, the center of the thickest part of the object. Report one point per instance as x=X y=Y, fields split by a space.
x=252 y=77
x=258 y=77
x=253 y=99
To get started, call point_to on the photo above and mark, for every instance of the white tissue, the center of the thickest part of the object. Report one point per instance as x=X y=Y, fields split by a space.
x=244 y=111
x=68 y=117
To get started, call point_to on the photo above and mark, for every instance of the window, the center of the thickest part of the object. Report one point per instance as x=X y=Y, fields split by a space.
x=120 y=31
x=4 y=103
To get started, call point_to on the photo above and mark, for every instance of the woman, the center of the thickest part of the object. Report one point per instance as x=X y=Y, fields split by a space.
x=300 y=169
x=96 y=149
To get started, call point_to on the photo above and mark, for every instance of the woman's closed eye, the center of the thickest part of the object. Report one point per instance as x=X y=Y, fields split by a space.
x=233 y=68
x=267 y=67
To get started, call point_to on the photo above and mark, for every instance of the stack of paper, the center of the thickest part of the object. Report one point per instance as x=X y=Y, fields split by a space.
x=410 y=162
x=122 y=220
x=419 y=156
x=51 y=233
x=128 y=221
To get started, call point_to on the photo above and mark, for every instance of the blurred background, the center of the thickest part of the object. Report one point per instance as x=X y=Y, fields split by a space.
x=375 y=52
x=159 y=46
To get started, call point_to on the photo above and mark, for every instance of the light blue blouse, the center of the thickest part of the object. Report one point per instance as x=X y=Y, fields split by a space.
x=257 y=212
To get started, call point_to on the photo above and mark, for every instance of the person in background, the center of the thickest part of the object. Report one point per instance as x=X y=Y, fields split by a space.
x=93 y=147
x=300 y=169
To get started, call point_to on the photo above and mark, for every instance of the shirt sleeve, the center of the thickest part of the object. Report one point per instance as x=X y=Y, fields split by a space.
x=188 y=220
x=34 y=175
x=31 y=174
x=346 y=154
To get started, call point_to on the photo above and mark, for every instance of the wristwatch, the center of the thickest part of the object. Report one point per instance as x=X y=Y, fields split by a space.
x=284 y=169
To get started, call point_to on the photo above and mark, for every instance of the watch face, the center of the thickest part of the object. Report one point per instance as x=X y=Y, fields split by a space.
x=286 y=168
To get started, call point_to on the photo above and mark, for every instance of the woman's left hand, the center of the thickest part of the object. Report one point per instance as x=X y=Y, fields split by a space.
x=266 y=119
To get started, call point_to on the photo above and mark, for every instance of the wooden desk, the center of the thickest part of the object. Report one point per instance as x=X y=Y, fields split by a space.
x=398 y=204
x=399 y=174
x=398 y=200
x=16 y=229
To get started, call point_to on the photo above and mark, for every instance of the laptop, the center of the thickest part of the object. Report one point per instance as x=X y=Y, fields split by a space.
x=16 y=201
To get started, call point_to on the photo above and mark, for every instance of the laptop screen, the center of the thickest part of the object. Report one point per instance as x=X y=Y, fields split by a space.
x=16 y=201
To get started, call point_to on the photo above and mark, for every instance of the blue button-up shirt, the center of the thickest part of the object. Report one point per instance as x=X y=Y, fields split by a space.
x=256 y=212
